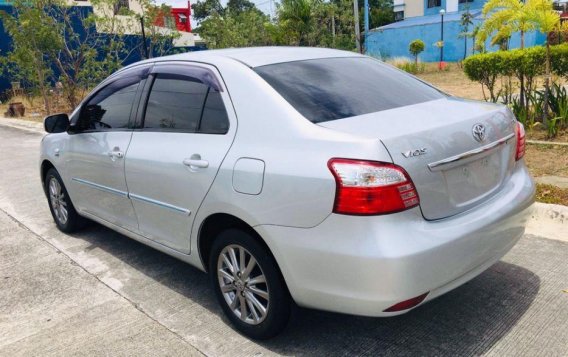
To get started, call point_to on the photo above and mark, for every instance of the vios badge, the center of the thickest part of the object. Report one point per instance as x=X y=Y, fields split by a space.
x=412 y=153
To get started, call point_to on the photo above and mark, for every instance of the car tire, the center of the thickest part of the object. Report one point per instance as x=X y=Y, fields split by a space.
x=232 y=288
x=64 y=214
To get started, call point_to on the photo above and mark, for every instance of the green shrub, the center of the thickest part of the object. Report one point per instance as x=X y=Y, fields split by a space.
x=485 y=68
x=415 y=48
x=527 y=64
x=559 y=60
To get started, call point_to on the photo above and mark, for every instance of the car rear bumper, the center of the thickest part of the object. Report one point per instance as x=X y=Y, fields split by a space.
x=364 y=265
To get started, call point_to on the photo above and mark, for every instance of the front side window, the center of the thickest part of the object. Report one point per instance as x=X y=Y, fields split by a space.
x=110 y=107
x=182 y=103
x=336 y=88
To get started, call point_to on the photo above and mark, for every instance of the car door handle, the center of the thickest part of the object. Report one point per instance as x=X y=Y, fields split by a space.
x=196 y=164
x=116 y=154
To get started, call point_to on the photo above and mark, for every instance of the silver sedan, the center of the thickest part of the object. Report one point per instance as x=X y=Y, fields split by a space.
x=311 y=176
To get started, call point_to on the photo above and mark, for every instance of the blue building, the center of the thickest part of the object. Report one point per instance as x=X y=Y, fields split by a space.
x=422 y=19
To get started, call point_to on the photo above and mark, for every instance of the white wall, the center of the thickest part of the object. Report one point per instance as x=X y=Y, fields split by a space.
x=451 y=5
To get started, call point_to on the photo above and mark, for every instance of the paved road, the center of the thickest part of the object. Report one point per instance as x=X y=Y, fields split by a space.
x=99 y=293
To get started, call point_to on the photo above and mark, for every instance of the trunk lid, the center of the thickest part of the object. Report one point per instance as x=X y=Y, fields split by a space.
x=436 y=144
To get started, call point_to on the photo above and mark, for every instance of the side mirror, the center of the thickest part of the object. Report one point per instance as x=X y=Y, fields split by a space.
x=56 y=123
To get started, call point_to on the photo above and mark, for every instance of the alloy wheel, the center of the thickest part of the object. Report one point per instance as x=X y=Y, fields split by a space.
x=57 y=200
x=243 y=284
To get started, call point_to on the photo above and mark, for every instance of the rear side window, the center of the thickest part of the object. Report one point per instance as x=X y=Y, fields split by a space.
x=175 y=103
x=214 y=119
x=183 y=103
x=337 y=88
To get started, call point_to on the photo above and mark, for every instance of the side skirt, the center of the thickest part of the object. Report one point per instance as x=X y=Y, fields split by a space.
x=187 y=258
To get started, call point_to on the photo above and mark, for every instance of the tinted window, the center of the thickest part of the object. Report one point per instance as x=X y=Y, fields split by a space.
x=214 y=120
x=110 y=107
x=175 y=103
x=336 y=88
x=181 y=103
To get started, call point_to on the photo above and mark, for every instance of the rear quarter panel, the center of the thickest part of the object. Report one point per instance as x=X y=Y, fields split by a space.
x=298 y=188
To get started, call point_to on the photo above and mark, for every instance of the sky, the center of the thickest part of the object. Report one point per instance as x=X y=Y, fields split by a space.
x=263 y=5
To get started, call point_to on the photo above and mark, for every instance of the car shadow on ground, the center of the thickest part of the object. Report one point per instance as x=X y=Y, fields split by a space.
x=466 y=321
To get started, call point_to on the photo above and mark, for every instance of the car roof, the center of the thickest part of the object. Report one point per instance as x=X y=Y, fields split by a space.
x=259 y=56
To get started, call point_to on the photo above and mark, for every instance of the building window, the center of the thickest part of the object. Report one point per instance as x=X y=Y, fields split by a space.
x=120 y=5
x=398 y=15
x=434 y=3
x=464 y=1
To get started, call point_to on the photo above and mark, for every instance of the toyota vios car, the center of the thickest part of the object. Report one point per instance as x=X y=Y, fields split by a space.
x=317 y=177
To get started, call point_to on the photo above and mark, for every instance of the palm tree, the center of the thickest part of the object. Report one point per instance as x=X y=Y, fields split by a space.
x=505 y=18
x=546 y=21
x=465 y=21
x=297 y=16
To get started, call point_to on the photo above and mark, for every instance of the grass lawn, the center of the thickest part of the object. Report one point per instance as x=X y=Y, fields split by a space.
x=454 y=81
x=548 y=160
x=551 y=194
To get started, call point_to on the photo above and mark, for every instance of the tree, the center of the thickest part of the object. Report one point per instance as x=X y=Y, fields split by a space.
x=239 y=6
x=380 y=13
x=203 y=9
x=296 y=16
x=503 y=18
x=159 y=39
x=547 y=21
x=474 y=35
x=89 y=52
x=415 y=48
x=337 y=20
x=248 y=28
x=34 y=37
x=54 y=42
x=465 y=21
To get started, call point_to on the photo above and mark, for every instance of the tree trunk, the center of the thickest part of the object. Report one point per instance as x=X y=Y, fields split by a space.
x=43 y=89
x=546 y=84
x=333 y=29
x=522 y=77
x=465 y=47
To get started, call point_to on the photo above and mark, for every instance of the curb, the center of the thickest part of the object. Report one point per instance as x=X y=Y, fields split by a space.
x=26 y=125
x=547 y=143
x=549 y=221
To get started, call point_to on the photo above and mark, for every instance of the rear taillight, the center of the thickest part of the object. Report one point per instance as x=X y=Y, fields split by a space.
x=371 y=188
x=520 y=130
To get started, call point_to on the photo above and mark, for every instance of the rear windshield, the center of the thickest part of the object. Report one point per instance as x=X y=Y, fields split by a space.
x=337 y=88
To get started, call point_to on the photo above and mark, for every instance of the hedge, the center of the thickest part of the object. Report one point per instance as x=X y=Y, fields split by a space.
x=528 y=63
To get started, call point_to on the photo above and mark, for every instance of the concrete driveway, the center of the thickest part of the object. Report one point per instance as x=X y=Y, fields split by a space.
x=100 y=293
